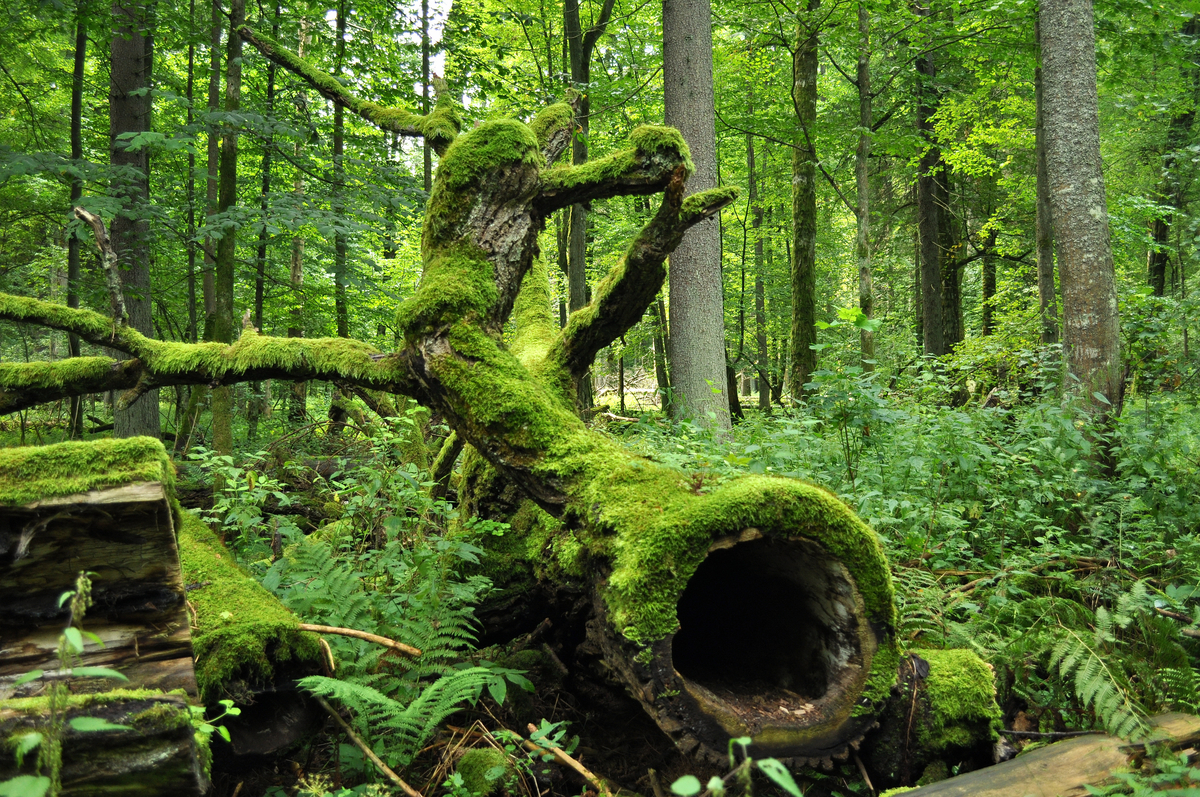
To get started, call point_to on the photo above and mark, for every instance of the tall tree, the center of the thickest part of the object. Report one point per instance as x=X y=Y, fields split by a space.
x=803 y=358
x=75 y=423
x=226 y=261
x=930 y=205
x=862 y=183
x=697 y=343
x=1091 y=333
x=340 y=243
x=132 y=51
x=580 y=45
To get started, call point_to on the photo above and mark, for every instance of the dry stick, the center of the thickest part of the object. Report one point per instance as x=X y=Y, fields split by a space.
x=407 y=650
x=1194 y=633
x=367 y=751
x=562 y=756
x=120 y=315
x=862 y=769
x=654 y=784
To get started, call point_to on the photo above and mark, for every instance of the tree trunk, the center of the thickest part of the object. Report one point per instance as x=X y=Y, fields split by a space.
x=989 y=283
x=697 y=305
x=75 y=423
x=658 y=313
x=1047 y=294
x=340 y=244
x=949 y=251
x=226 y=261
x=804 y=211
x=928 y=210
x=298 y=400
x=129 y=112
x=1091 y=332
x=862 y=183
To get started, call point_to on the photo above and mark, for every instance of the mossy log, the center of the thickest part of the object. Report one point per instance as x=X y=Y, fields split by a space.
x=156 y=753
x=104 y=508
x=759 y=606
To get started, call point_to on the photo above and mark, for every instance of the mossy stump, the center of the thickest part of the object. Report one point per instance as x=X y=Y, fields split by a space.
x=104 y=507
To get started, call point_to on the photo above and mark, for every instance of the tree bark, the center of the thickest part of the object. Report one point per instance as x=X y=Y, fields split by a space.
x=696 y=293
x=129 y=112
x=340 y=244
x=950 y=262
x=803 y=358
x=1091 y=332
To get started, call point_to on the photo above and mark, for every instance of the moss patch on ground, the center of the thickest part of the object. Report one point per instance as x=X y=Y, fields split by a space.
x=54 y=471
x=484 y=770
x=242 y=633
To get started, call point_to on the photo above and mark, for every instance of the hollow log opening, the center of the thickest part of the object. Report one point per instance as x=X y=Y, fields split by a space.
x=770 y=634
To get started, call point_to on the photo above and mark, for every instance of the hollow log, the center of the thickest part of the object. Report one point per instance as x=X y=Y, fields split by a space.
x=155 y=753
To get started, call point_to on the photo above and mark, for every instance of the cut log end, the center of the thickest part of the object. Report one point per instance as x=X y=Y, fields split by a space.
x=773 y=644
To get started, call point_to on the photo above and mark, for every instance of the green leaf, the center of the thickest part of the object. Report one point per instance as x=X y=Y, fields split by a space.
x=25 y=786
x=687 y=786
x=1103 y=399
x=97 y=672
x=90 y=724
x=498 y=690
x=74 y=638
x=25 y=743
x=777 y=772
x=32 y=675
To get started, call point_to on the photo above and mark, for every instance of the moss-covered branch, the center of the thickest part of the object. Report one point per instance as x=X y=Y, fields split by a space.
x=440 y=127
x=162 y=363
x=622 y=298
x=644 y=168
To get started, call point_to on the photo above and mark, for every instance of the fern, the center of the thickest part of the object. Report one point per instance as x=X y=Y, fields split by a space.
x=405 y=728
x=1097 y=685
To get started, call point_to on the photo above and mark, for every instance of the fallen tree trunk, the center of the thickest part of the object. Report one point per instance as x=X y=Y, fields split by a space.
x=759 y=606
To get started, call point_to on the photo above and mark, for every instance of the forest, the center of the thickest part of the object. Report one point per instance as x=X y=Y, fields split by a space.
x=513 y=398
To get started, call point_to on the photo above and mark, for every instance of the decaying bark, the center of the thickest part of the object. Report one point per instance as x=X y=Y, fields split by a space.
x=672 y=575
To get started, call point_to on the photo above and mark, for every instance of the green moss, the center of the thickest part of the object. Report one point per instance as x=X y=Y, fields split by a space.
x=935 y=772
x=493 y=144
x=961 y=691
x=36 y=706
x=55 y=374
x=161 y=716
x=484 y=770
x=880 y=679
x=457 y=287
x=34 y=473
x=658 y=138
x=696 y=203
x=242 y=632
x=898 y=790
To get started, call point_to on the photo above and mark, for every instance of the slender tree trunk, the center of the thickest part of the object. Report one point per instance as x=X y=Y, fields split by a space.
x=1091 y=332
x=862 y=182
x=697 y=304
x=1047 y=295
x=659 y=315
x=427 y=153
x=75 y=422
x=129 y=112
x=989 y=283
x=298 y=401
x=257 y=404
x=928 y=210
x=340 y=244
x=222 y=399
x=804 y=211
x=760 y=302
x=1171 y=189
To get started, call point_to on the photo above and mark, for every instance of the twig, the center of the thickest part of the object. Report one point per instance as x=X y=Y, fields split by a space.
x=328 y=651
x=407 y=650
x=109 y=255
x=367 y=751
x=562 y=756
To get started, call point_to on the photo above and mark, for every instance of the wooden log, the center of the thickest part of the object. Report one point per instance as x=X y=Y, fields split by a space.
x=1065 y=769
x=156 y=754
x=103 y=507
